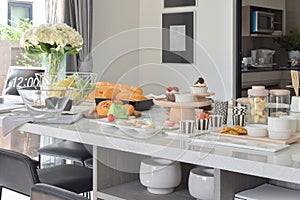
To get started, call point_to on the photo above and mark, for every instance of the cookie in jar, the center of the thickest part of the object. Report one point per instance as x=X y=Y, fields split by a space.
x=258 y=101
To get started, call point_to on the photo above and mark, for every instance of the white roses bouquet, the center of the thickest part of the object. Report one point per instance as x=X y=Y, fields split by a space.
x=53 y=41
x=48 y=38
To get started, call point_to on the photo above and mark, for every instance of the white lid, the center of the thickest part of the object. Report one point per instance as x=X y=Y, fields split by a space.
x=280 y=92
x=258 y=91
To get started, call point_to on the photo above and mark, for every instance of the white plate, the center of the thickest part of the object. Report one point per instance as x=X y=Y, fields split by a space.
x=127 y=129
x=176 y=126
x=9 y=107
x=177 y=133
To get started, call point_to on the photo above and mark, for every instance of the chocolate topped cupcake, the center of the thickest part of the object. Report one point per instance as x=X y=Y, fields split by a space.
x=199 y=87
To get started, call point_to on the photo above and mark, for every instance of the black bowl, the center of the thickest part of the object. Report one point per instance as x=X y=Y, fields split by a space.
x=138 y=105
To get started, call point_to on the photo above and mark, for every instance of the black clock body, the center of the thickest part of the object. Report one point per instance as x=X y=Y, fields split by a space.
x=20 y=76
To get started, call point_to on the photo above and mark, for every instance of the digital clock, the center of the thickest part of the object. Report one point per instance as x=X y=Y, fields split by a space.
x=20 y=76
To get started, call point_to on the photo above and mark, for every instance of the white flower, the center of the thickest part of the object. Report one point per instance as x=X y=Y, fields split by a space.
x=46 y=37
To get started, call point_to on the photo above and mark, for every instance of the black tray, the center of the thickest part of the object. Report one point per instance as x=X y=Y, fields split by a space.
x=138 y=105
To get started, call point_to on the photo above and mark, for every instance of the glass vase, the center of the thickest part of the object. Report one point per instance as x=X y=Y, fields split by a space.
x=55 y=66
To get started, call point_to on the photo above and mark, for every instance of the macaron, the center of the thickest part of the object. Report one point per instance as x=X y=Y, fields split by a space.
x=169 y=123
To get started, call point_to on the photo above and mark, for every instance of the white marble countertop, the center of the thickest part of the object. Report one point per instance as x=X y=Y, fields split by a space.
x=283 y=165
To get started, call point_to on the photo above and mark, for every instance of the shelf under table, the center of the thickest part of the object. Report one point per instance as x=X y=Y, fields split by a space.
x=135 y=191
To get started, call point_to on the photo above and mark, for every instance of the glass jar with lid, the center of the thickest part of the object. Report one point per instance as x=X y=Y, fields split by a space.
x=279 y=102
x=258 y=102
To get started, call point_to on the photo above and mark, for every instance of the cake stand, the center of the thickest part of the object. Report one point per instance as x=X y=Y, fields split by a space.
x=181 y=110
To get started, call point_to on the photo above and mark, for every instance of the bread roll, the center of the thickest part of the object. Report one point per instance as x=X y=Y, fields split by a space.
x=102 y=86
x=130 y=96
x=123 y=95
x=138 y=98
x=110 y=92
x=136 y=90
x=103 y=107
x=94 y=94
x=129 y=108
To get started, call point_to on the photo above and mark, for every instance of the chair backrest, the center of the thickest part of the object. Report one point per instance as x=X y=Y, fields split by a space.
x=17 y=171
x=43 y=191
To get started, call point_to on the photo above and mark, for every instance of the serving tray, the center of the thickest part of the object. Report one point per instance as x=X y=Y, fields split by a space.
x=294 y=138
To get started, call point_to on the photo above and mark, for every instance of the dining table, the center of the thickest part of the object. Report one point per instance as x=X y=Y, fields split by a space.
x=118 y=152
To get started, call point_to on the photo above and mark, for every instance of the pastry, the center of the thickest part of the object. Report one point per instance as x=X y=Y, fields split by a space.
x=103 y=107
x=111 y=92
x=119 y=111
x=237 y=130
x=199 y=87
x=169 y=123
x=170 y=93
x=129 y=108
x=130 y=96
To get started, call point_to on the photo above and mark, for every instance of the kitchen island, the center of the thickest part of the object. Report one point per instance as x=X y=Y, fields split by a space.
x=117 y=156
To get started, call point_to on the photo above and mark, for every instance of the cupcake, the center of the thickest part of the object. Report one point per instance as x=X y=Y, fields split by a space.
x=199 y=87
x=170 y=93
x=202 y=122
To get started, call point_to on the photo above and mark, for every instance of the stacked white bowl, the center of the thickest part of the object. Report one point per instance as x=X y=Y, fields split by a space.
x=281 y=128
x=201 y=183
x=160 y=176
x=295 y=110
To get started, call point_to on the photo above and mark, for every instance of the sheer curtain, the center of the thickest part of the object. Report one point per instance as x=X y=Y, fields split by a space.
x=79 y=15
x=55 y=11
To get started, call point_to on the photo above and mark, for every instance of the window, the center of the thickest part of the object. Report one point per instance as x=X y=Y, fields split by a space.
x=19 y=11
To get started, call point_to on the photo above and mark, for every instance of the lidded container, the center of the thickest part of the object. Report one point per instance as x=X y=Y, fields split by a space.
x=279 y=102
x=258 y=102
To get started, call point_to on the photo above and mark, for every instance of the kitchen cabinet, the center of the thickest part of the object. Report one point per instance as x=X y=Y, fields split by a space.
x=273 y=4
x=279 y=25
x=270 y=79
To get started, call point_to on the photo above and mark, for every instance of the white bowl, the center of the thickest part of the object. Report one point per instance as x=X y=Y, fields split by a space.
x=257 y=130
x=160 y=176
x=279 y=124
x=294 y=122
x=201 y=183
x=184 y=97
x=280 y=135
x=198 y=90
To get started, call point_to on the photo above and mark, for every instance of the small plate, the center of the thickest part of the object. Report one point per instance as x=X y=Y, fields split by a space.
x=126 y=128
x=177 y=133
x=176 y=126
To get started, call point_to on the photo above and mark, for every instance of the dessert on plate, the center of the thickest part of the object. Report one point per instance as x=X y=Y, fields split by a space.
x=199 y=87
x=170 y=93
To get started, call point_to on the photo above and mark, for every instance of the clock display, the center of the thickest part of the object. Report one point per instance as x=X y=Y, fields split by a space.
x=21 y=77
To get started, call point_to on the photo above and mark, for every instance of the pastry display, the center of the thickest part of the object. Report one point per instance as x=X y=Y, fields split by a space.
x=170 y=93
x=199 y=87
x=117 y=91
x=117 y=108
x=137 y=123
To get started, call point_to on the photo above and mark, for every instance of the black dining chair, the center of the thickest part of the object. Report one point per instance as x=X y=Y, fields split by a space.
x=68 y=150
x=19 y=173
x=43 y=191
